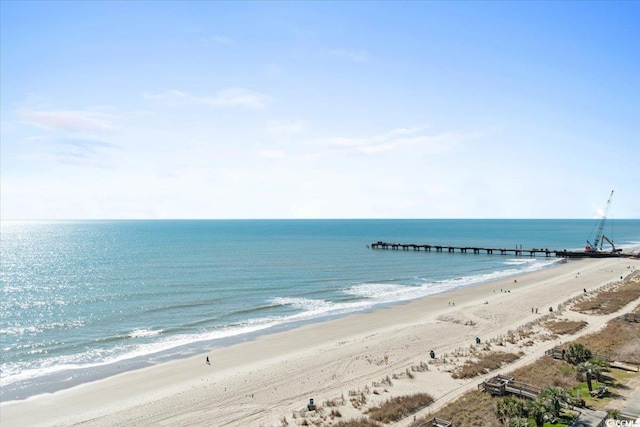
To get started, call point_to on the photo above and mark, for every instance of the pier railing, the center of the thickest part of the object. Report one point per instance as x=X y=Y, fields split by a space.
x=502 y=385
x=465 y=249
x=502 y=251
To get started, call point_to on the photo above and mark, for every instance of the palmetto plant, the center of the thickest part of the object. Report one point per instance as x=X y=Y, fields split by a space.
x=578 y=353
x=539 y=410
x=519 y=422
x=556 y=398
x=589 y=369
x=602 y=365
x=508 y=408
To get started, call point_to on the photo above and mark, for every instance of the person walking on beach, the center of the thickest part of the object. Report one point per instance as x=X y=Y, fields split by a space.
x=208 y=363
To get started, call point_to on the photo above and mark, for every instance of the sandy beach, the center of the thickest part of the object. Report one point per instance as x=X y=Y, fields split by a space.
x=267 y=380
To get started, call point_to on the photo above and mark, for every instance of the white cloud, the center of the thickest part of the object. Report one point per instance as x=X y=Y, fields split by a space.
x=81 y=152
x=230 y=97
x=69 y=120
x=395 y=140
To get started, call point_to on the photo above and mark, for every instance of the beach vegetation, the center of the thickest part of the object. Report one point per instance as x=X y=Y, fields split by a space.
x=613 y=414
x=557 y=398
x=360 y=422
x=565 y=327
x=519 y=421
x=577 y=354
x=508 y=408
x=400 y=407
x=540 y=410
x=611 y=300
x=619 y=340
x=617 y=384
x=484 y=363
x=548 y=406
x=589 y=370
x=473 y=409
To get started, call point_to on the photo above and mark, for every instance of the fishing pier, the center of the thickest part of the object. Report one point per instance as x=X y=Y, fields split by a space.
x=489 y=251
x=591 y=250
x=464 y=249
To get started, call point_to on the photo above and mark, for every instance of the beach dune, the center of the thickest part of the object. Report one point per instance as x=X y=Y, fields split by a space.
x=265 y=381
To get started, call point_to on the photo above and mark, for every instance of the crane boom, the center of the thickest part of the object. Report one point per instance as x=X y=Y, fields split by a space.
x=600 y=233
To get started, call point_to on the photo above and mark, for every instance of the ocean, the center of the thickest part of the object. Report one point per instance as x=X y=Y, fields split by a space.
x=83 y=300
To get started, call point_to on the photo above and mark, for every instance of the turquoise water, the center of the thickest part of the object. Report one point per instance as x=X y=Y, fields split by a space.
x=82 y=300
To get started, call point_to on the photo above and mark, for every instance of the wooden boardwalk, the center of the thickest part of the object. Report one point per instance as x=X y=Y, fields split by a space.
x=502 y=385
x=436 y=422
x=631 y=317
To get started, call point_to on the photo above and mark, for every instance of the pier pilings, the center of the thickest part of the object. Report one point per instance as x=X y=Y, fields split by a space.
x=464 y=249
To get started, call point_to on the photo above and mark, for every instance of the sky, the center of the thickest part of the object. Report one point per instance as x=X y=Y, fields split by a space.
x=158 y=110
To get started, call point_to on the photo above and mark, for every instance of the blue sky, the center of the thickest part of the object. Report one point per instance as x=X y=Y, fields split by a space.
x=319 y=109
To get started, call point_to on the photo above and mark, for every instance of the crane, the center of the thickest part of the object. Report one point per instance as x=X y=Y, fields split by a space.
x=600 y=237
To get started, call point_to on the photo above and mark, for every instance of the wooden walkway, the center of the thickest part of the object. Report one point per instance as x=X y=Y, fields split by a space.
x=436 y=422
x=502 y=385
x=631 y=317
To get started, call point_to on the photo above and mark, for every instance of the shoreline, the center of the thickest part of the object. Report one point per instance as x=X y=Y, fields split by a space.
x=73 y=377
x=260 y=381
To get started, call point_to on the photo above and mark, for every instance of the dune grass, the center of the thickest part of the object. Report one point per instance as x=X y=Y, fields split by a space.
x=564 y=327
x=483 y=364
x=361 y=422
x=472 y=409
x=619 y=340
x=611 y=300
x=400 y=407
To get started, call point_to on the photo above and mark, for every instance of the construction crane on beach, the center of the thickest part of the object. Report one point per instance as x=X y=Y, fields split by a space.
x=600 y=237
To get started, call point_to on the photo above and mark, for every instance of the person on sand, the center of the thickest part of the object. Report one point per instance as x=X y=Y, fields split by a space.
x=208 y=363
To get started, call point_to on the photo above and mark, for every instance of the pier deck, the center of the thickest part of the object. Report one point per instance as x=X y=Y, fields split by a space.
x=502 y=251
x=463 y=249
